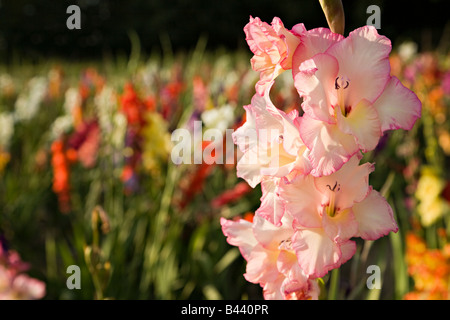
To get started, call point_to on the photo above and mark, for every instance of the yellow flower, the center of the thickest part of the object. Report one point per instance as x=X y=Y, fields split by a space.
x=157 y=143
x=431 y=206
x=430 y=212
x=430 y=185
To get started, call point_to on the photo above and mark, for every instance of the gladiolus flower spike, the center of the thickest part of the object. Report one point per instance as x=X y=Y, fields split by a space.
x=316 y=195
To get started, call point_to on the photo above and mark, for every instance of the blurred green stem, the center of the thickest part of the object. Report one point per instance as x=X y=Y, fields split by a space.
x=157 y=238
x=50 y=252
x=400 y=268
x=334 y=285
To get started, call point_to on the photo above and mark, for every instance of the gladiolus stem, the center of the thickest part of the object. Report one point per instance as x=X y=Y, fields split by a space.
x=334 y=12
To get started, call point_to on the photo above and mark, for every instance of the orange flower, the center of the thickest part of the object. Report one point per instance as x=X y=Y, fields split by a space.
x=429 y=268
x=61 y=183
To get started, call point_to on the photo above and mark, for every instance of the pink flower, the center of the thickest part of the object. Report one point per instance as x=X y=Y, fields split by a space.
x=273 y=47
x=19 y=287
x=314 y=41
x=271 y=149
x=272 y=207
x=14 y=284
x=269 y=141
x=328 y=211
x=350 y=99
x=271 y=261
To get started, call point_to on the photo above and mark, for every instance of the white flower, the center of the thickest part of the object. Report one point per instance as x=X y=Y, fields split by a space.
x=28 y=103
x=61 y=125
x=219 y=118
x=119 y=129
x=407 y=50
x=72 y=99
x=105 y=103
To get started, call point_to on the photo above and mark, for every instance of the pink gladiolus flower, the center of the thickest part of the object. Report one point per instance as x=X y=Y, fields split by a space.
x=273 y=47
x=350 y=99
x=270 y=142
x=314 y=41
x=328 y=211
x=272 y=149
x=315 y=193
x=271 y=261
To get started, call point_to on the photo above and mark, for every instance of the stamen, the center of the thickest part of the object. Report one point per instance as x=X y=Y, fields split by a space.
x=340 y=84
x=346 y=84
x=331 y=209
x=285 y=244
x=334 y=187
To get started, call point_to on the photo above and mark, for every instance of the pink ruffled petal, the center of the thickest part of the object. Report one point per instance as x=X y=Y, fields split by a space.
x=295 y=278
x=348 y=249
x=363 y=123
x=350 y=183
x=249 y=167
x=363 y=59
x=302 y=201
x=341 y=227
x=273 y=47
x=313 y=42
x=375 y=217
x=398 y=107
x=245 y=136
x=272 y=207
x=239 y=234
x=329 y=147
x=272 y=290
x=314 y=82
x=261 y=266
x=316 y=252
x=270 y=236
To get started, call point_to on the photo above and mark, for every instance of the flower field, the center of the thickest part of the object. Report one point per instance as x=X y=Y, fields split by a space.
x=88 y=178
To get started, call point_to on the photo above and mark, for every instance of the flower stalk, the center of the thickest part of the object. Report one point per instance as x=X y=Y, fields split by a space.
x=334 y=12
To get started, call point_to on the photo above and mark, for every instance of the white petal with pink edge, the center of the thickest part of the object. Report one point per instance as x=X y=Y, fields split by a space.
x=398 y=107
x=375 y=217
x=239 y=233
x=363 y=123
x=316 y=252
x=329 y=147
x=349 y=184
x=314 y=82
x=363 y=58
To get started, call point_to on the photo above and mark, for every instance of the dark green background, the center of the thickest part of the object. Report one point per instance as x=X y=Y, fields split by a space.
x=34 y=29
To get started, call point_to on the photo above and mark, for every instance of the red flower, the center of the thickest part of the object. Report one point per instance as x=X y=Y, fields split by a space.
x=85 y=142
x=239 y=190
